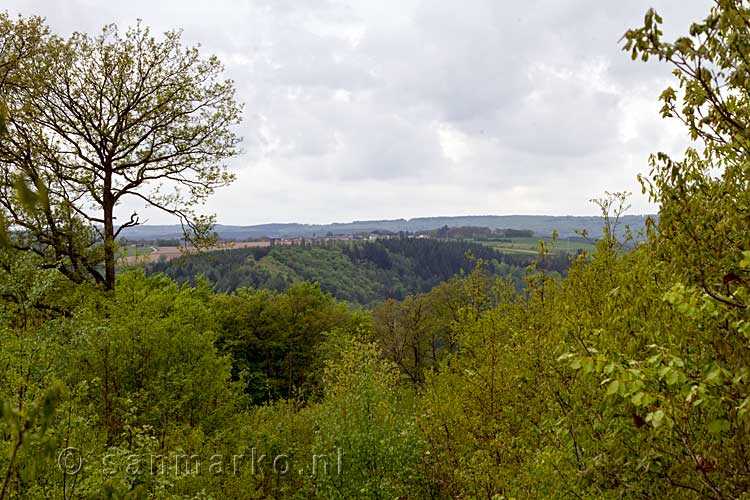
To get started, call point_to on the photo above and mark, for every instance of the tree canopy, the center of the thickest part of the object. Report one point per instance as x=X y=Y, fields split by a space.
x=95 y=120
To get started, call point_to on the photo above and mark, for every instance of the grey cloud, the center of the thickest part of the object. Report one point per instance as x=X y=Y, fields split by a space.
x=351 y=100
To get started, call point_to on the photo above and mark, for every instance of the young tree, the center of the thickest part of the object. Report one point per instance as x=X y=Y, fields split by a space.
x=109 y=117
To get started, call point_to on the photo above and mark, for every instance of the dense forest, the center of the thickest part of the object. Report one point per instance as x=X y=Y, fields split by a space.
x=362 y=272
x=627 y=378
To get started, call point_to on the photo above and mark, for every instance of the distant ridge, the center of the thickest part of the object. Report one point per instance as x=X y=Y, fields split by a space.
x=542 y=225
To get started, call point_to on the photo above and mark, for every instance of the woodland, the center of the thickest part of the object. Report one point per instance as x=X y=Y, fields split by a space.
x=626 y=376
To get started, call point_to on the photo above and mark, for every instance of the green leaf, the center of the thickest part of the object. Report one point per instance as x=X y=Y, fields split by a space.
x=637 y=398
x=588 y=365
x=613 y=387
x=714 y=376
x=656 y=418
x=718 y=426
x=26 y=196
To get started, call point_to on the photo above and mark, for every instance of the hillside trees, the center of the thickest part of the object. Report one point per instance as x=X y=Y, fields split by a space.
x=102 y=119
x=416 y=333
x=363 y=273
x=273 y=338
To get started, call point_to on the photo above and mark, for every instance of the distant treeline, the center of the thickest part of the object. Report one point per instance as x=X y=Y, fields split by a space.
x=158 y=242
x=364 y=272
x=477 y=233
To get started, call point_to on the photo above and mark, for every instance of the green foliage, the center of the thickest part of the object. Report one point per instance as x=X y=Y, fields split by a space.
x=367 y=418
x=704 y=197
x=123 y=344
x=105 y=375
x=417 y=332
x=273 y=337
x=629 y=378
x=484 y=408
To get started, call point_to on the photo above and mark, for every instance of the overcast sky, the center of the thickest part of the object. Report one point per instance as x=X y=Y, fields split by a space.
x=370 y=109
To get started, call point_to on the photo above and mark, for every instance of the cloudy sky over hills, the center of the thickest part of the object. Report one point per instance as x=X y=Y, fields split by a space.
x=385 y=109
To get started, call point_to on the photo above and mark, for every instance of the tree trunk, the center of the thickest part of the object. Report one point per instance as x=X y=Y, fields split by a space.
x=109 y=232
x=109 y=253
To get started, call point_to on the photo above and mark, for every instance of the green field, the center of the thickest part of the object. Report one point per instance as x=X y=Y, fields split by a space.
x=531 y=245
x=135 y=251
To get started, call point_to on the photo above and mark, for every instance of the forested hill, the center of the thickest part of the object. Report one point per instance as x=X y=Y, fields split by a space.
x=540 y=225
x=363 y=272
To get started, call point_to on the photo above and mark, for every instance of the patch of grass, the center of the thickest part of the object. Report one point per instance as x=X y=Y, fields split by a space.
x=531 y=245
x=135 y=251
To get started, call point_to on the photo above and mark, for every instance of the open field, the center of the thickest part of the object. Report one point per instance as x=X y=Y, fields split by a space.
x=531 y=245
x=155 y=254
x=136 y=251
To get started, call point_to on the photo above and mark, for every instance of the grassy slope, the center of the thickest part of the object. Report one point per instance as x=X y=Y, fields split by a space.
x=531 y=245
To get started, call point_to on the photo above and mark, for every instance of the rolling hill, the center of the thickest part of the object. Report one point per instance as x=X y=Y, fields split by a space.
x=541 y=225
